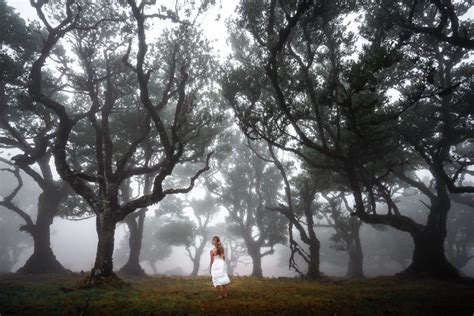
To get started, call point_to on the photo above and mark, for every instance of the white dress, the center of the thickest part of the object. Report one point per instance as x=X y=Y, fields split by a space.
x=219 y=272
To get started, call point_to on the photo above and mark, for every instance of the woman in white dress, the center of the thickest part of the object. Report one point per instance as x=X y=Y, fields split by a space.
x=220 y=279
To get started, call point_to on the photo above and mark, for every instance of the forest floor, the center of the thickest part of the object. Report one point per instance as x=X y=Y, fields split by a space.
x=58 y=295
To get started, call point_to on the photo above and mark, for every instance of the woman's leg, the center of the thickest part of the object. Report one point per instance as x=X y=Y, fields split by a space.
x=219 y=291
x=225 y=290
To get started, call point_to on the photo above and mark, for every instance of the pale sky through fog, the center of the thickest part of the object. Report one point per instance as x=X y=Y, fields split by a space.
x=214 y=29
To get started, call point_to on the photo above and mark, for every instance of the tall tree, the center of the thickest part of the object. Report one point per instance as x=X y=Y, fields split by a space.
x=300 y=209
x=27 y=132
x=306 y=212
x=296 y=83
x=438 y=130
x=166 y=96
x=250 y=184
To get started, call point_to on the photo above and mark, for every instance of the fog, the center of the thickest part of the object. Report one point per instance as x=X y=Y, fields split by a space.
x=74 y=244
x=289 y=193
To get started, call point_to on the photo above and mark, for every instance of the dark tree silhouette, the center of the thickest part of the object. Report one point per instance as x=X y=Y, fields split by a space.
x=460 y=238
x=111 y=93
x=300 y=210
x=43 y=259
x=294 y=84
x=437 y=130
x=446 y=26
x=305 y=213
x=27 y=132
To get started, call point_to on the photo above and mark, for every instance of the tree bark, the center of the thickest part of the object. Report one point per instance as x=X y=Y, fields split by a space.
x=315 y=244
x=254 y=253
x=355 y=266
x=314 y=260
x=43 y=259
x=429 y=257
x=103 y=266
x=135 y=226
x=196 y=265
x=197 y=256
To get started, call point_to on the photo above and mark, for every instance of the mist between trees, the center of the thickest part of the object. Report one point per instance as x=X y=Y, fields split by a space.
x=336 y=139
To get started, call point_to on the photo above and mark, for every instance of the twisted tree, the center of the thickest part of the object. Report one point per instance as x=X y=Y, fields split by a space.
x=447 y=25
x=299 y=82
x=203 y=211
x=26 y=133
x=164 y=98
x=300 y=209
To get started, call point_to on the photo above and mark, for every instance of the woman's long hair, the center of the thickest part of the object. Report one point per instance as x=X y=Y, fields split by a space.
x=217 y=243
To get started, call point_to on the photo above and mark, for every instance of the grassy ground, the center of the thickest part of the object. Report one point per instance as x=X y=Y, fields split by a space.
x=57 y=295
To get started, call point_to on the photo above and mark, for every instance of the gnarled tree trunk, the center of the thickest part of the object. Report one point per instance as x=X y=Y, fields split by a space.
x=43 y=259
x=429 y=257
x=197 y=256
x=196 y=265
x=135 y=227
x=103 y=266
x=254 y=253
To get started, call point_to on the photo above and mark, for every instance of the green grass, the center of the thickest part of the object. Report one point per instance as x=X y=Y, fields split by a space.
x=57 y=295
